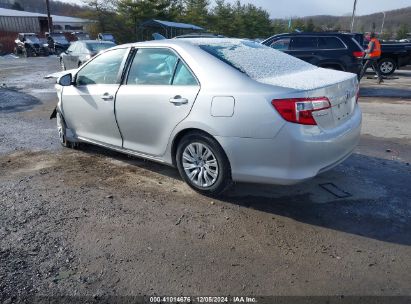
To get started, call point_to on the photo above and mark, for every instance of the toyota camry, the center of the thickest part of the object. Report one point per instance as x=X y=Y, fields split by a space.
x=220 y=110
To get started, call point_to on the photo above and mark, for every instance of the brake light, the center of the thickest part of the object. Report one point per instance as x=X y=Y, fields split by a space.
x=299 y=110
x=358 y=55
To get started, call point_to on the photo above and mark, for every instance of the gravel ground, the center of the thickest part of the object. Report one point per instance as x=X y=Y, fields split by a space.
x=92 y=222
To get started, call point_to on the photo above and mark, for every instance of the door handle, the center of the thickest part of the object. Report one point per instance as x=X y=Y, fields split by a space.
x=107 y=96
x=178 y=100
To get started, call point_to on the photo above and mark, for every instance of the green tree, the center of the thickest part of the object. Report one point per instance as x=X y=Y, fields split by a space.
x=221 y=19
x=135 y=12
x=298 y=24
x=196 y=12
x=403 y=31
x=310 y=26
x=279 y=26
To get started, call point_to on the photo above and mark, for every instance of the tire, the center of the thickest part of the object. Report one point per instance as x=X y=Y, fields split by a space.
x=387 y=66
x=201 y=156
x=61 y=128
x=62 y=65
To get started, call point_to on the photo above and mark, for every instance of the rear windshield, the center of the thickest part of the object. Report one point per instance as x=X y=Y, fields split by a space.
x=98 y=46
x=254 y=59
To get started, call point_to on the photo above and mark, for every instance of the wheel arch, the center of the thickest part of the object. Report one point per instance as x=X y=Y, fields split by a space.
x=177 y=138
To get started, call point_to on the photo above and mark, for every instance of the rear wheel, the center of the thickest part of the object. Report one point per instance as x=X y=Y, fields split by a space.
x=387 y=66
x=203 y=164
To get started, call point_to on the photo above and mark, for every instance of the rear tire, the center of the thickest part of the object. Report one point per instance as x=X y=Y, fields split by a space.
x=202 y=164
x=387 y=66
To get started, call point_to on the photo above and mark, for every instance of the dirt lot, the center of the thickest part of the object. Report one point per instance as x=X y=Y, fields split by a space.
x=97 y=223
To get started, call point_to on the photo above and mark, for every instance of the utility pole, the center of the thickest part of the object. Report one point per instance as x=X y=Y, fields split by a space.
x=353 y=15
x=48 y=16
x=382 y=26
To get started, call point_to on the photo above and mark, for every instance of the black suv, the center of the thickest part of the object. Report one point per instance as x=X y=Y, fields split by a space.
x=338 y=51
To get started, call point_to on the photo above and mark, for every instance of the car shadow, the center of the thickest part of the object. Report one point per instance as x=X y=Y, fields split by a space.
x=377 y=203
x=12 y=101
x=385 y=92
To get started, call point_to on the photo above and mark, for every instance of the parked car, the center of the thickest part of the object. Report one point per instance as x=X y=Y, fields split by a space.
x=29 y=45
x=338 y=51
x=80 y=36
x=81 y=51
x=57 y=43
x=220 y=110
x=106 y=37
x=394 y=55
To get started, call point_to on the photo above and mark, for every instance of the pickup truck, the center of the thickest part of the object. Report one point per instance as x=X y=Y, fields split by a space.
x=394 y=55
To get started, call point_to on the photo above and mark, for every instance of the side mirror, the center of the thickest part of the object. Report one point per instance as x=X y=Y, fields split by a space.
x=65 y=80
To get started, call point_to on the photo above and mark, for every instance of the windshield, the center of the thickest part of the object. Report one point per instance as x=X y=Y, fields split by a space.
x=97 y=47
x=254 y=59
x=60 y=38
x=32 y=39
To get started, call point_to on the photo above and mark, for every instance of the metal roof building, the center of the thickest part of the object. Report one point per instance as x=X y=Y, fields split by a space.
x=14 y=21
x=21 y=21
x=167 y=28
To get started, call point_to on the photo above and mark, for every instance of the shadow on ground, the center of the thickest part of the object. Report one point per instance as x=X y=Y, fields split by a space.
x=13 y=101
x=378 y=205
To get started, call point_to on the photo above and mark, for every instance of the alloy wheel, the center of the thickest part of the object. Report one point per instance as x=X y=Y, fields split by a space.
x=386 y=67
x=200 y=164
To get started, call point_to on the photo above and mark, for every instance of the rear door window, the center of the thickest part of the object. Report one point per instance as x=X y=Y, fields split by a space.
x=330 y=43
x=183 y=76
x=304 y=43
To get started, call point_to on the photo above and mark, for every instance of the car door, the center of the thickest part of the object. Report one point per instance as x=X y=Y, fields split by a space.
x=88 y=104
x=332 y=50
x=304 y=48
x=157 y=94
x=69 y=55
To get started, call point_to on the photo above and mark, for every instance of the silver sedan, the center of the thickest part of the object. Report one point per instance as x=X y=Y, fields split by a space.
x=220 y=110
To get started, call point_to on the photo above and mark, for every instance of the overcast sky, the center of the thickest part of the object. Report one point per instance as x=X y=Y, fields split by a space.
x=300 y=8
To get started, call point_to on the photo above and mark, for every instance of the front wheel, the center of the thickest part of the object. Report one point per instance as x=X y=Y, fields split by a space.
x=387 y=66
x=61 y=128
x=203 y=164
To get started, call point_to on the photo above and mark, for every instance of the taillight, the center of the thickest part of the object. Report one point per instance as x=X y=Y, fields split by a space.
x=299 y=110
x=359 y=54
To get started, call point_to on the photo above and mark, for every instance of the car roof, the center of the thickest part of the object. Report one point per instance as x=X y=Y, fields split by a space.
x=314 y=34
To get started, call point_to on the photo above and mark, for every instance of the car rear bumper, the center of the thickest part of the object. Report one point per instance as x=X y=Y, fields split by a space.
x=297 y=152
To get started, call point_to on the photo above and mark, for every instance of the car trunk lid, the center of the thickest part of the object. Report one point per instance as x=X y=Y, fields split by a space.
x=339 y=87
